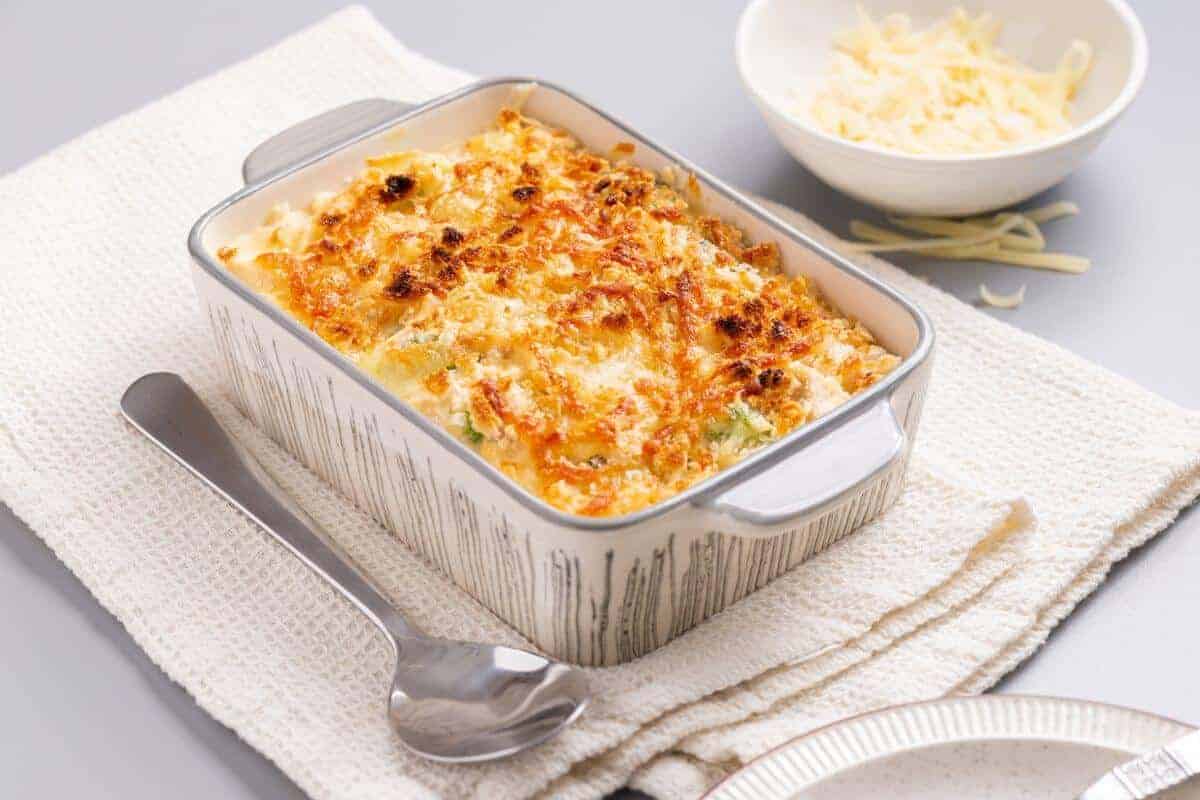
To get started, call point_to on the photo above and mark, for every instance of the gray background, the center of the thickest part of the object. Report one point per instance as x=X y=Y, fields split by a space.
x=85 y=712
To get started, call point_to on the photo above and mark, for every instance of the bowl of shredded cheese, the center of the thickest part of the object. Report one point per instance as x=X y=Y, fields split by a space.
x=925 y=107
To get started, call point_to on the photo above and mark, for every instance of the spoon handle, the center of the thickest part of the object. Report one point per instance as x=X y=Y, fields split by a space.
x=163 y=407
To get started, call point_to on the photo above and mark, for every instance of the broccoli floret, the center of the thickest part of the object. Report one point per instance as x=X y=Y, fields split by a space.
x=469 y=430
x=742 y=425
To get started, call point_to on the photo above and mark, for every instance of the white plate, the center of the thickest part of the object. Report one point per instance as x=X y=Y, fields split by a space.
x=997 y=747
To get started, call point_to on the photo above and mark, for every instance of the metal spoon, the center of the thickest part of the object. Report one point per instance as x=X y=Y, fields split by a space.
x=450 y=701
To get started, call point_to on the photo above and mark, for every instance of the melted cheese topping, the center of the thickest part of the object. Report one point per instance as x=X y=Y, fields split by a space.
x=567 y=316
x=947 y=89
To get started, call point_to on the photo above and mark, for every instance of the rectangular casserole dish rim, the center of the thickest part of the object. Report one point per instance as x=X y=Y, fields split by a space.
x=744 y=470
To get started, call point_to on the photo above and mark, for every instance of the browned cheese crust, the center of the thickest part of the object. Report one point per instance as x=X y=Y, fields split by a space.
x=567 y=315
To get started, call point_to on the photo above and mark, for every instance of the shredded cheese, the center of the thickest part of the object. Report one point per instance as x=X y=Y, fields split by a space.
x=1001 y=300
x=947 y=89
x=894 y=242
x=1005 y=238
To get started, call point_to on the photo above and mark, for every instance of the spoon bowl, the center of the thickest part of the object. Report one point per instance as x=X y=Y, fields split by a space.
x=477 y=702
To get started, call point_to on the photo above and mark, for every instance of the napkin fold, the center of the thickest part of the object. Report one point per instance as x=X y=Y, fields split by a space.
x=947 y=591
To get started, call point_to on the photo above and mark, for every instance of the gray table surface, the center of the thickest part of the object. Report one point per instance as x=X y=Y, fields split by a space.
x=85 y=713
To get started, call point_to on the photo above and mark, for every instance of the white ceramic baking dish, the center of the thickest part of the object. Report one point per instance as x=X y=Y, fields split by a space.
x=595 y=591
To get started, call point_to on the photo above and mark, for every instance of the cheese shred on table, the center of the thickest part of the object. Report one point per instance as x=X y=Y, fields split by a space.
x=1009 y=237
x=567 y=316
x=944 y=90
x=996 y=300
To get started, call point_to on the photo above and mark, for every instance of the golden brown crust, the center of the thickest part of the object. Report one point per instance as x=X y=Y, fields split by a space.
x=568 y=315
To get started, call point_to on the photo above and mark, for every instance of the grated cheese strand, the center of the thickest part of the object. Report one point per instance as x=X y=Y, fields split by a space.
x=872 y=233
x=1031 y=239
x=1062 y=208
x=1001 y=300
x=1040 y=216
x=908 y=244
x=1058 y=262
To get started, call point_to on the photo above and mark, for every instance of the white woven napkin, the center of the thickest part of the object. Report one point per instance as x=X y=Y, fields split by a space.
x=946 y=592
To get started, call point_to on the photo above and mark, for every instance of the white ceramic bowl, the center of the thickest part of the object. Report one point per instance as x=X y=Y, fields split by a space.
x=783 y=53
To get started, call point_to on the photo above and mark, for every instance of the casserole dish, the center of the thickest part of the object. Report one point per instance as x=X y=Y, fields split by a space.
x=590 y=590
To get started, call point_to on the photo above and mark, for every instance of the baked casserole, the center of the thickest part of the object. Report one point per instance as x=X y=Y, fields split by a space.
x=577 y=321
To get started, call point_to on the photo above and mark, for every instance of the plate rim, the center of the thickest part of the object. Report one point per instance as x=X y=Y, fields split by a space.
x=723 y=788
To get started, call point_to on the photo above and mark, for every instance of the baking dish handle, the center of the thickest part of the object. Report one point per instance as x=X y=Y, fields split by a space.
x=817 y=477
x=317 y=134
